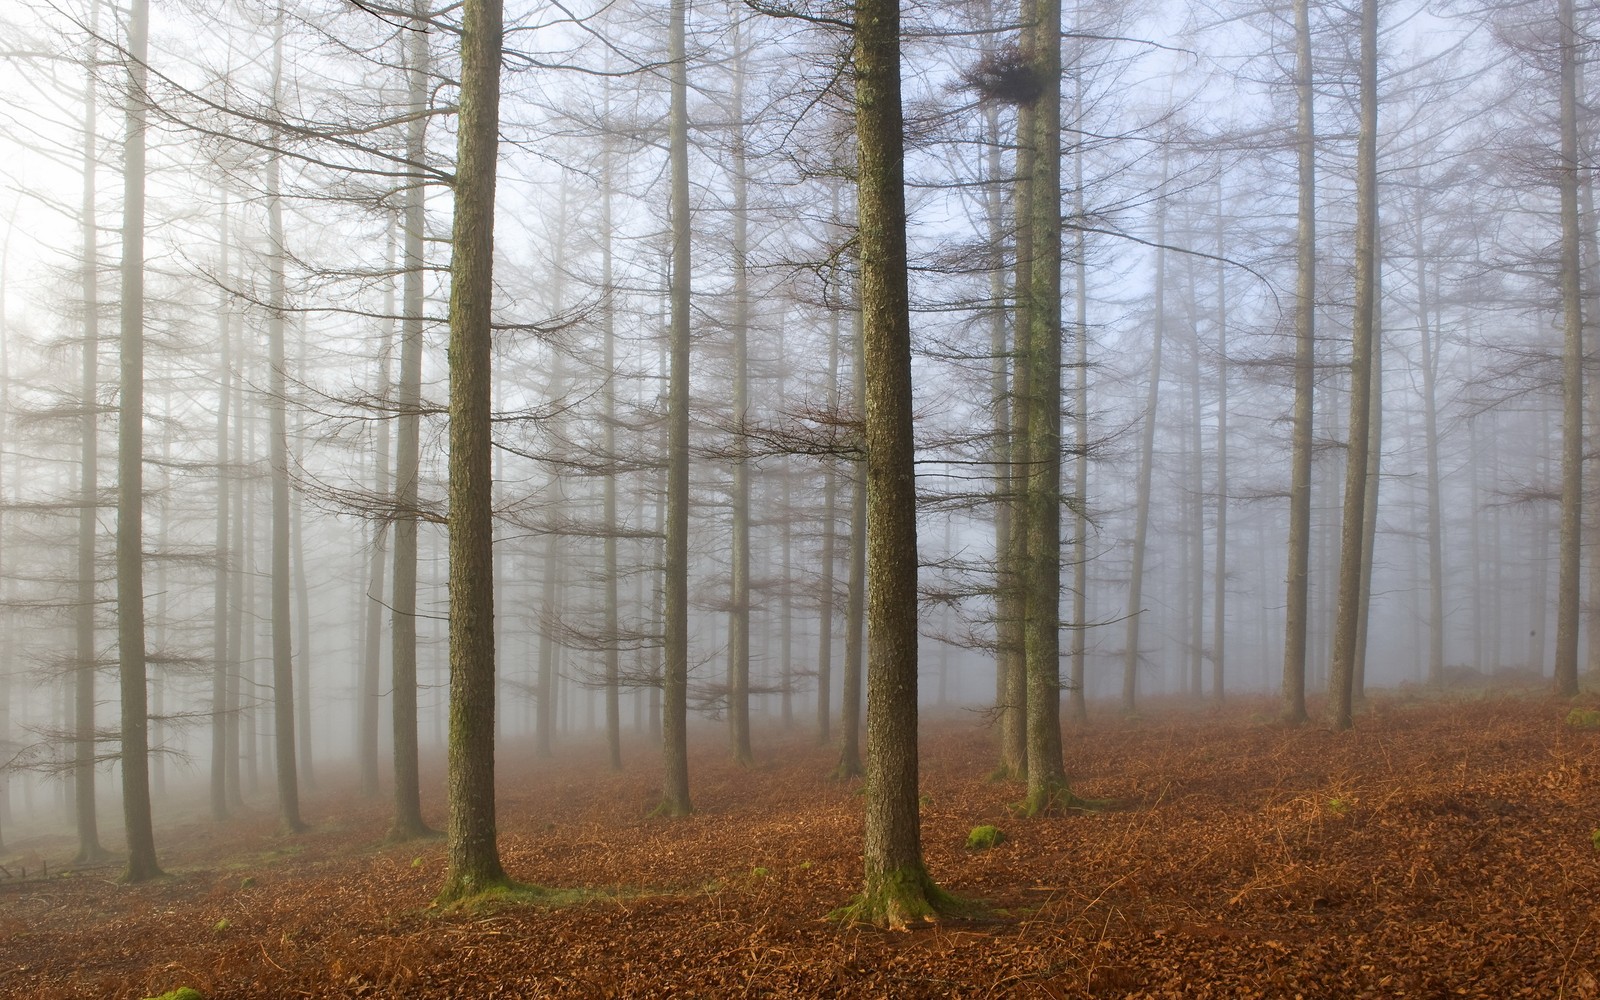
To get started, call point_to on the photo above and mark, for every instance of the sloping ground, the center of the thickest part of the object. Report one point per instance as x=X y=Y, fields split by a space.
x=1441 y=849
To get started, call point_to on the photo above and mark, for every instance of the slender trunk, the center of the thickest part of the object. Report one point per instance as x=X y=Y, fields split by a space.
x=1010 y=683
x=675 y=680
x=221 y=668
x=830 y=532
x=739 y=599
x=1297 y=609
x=408 y=820
x=1219 y=584
x=472 y=852
x=608 y=445
x=369 y=688
x=283 y=709
x=1430 y=415
x=84 y=750
x=1571 y=551
x=1369 y=515
x=856 y=601
x=1080 y=419
x=136 y=810
x=1147 y=449
x=1341 y=675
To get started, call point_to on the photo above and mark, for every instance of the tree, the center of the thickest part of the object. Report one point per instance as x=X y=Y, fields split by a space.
x=675 y=679
x=408 y=822
x=283 y=713
x=1571 y=543
x=87 y=660
x=898 y=890
x=1042 y=626
x=142 y=865
x=1352 y=548
x=1297 y=608
x=473 y=854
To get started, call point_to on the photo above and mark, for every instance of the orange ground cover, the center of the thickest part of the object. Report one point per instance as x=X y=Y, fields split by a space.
x=1443 y=848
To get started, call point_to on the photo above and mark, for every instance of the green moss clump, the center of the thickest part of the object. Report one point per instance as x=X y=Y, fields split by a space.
x=1584 y=718
x=1594 y=838
x=181 y=993
x=984 y=837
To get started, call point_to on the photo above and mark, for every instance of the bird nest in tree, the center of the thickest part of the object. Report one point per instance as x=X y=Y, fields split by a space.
x=1005 y=75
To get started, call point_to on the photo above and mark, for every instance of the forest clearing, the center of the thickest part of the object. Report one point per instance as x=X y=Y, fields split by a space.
x=1441 y=848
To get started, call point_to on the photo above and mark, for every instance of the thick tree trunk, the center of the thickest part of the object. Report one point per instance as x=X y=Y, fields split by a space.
x=898 y=890
x=142 y=864
x=472 y=853
x=1047 y=780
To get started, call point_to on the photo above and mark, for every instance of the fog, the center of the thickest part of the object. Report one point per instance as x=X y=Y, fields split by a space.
x=297 y=202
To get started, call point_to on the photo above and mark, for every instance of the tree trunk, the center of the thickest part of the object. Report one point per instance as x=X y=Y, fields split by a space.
x=1341 y=675
x=1430 y=415
x=84 y=749
x=369 y=688
x=897 y=890
x=408 y=821
x=675 y=680
x=473 y=856
x=830 y=532
x=1571 y=543
x=1297 y=608
x=1080 y=417
x=1047 y=782
x=1219 y=585
x=608 y=444
x=1147 y=450
x=739 y=599
x=221 y=668
x=283 y=711
x=855 y=601
x=136 y=810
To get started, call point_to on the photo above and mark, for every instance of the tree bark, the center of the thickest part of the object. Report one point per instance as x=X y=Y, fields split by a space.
x=1341 y=675
x=408 y=822
x=142 y=865
x=1571 y=542
x=84 y=749
x=1047 y=782
x=283 y=707
x=675 y=679
x=1297 y=607
x=897 y=890
x=472 y=853
x=739 y=598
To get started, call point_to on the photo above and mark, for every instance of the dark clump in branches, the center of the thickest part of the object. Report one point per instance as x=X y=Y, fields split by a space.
x=1006 y=75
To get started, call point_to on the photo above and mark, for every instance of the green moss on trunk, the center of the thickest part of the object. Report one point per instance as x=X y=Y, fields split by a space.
x=899 y=900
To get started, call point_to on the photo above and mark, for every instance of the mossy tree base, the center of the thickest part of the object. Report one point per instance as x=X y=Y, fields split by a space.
x=1007 y=772
x=467 y=888
x=899 y=901
x=399 y=833
x=1055 y=799
x=846 y=769
x=672 y=809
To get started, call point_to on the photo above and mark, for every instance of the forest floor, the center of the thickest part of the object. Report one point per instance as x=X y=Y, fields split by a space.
x=1442 y=848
